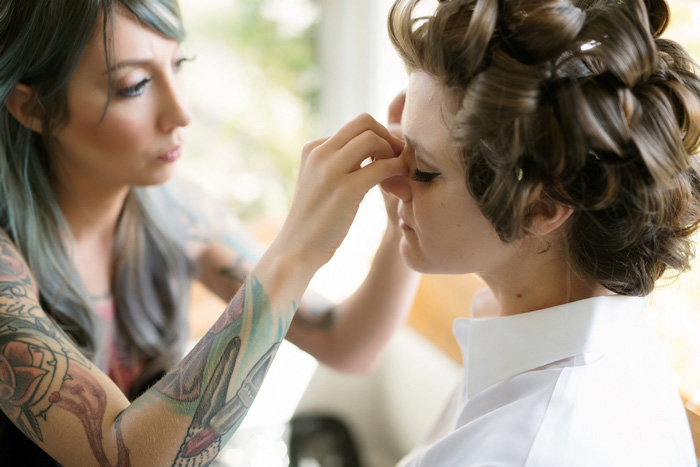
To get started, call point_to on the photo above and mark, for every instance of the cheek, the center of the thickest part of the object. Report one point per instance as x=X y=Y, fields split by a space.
x=115 y=132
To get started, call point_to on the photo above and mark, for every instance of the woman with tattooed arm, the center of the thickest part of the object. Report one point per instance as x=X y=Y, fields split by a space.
x=98 y=245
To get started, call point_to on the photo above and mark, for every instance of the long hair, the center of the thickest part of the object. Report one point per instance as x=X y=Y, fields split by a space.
x=40 y=47
x=579 y=101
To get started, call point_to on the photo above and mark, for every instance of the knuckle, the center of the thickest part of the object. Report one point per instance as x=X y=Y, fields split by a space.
x=365 y=118
x=344 y=191
x=310 y=146
x=368 y=137
x=307 y=148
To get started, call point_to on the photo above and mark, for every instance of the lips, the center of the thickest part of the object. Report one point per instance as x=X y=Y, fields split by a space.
x=404 y=226
x=172 y=155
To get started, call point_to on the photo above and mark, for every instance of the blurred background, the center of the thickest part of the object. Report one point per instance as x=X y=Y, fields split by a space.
x=270 y=75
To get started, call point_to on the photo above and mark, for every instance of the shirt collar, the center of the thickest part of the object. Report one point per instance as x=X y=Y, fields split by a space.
x=494 y=349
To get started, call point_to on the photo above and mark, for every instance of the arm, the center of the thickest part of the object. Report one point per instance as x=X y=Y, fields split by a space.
x=352 y=335
x=72 y=410
x=349 y=336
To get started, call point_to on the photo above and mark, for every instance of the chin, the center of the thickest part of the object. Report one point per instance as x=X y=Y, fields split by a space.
x=156 y=178
x=417 y=261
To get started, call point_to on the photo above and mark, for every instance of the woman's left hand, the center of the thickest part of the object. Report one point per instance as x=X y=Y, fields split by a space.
x=332 y=182
x=394 y=126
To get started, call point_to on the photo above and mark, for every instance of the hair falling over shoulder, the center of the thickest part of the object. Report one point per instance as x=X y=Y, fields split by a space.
x=40 y=47
x=581 y=101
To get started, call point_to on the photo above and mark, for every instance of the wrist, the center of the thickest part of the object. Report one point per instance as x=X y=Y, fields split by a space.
x=288 y=264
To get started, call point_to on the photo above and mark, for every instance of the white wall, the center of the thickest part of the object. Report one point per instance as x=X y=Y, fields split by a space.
x=362 y=71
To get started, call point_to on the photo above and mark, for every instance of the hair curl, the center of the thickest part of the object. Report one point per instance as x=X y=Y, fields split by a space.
x=582 y=102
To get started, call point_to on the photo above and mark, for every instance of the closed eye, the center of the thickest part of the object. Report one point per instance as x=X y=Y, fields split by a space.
x=420 y=176
x=135 y=90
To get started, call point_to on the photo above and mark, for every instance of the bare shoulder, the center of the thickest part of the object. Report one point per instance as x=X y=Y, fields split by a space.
x=203 y=221
x=187 y=204
x=46 y=382
x=21 y=313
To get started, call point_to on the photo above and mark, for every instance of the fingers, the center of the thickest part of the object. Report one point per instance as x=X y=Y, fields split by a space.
x=309 y=147
x=366 y=145
x=340 y=156
x=359 y=125
x=377 y=171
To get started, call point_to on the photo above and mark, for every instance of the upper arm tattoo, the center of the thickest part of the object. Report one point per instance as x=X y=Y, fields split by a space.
x=39 y=368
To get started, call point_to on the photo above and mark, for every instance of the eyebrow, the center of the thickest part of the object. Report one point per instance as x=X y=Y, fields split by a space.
x=128 y=64
x=418 y=149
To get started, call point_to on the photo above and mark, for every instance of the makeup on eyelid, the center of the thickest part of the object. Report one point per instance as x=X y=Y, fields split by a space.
x=423 y=176
x=139 y=138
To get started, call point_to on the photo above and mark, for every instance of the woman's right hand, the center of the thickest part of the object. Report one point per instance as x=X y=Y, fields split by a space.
x=332 y=182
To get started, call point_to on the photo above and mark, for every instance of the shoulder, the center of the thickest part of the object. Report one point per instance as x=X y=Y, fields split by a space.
x=15 y=276
x=186 y=210
x=202 y=222
x=179 y=200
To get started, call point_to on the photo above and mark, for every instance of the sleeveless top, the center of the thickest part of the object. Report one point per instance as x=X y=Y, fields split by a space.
x=121 y=365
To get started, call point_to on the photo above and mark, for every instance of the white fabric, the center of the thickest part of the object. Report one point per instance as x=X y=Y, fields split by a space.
x=582 y=384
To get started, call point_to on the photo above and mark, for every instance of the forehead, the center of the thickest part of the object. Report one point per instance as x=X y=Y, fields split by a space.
x=130 y=38
x=426 y=118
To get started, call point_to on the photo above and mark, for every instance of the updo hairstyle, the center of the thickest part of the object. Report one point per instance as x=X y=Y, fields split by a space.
x=581 y=102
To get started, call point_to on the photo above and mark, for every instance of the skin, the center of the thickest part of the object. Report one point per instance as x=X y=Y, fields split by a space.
x=100 y=158
x=443 y=230
x=68 y=406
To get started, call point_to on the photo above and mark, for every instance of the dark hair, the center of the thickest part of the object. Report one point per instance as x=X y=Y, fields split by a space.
x=40 y=46
x=578 y=101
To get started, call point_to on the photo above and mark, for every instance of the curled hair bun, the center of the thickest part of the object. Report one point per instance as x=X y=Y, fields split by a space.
x=578 y=101
x=535 y=31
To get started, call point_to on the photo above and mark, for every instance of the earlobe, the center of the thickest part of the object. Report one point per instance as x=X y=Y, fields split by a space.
x=549 y=216
x=23 y=105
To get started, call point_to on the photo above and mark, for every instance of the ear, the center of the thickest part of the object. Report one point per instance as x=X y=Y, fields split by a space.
x=23 y=105
x=549 y=215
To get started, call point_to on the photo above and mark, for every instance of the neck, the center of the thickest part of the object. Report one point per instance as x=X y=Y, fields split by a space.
x=92 y=213
x=540 y=279
x=91 y=209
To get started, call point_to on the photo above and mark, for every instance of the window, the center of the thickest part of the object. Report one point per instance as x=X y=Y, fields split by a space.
x=272 y=74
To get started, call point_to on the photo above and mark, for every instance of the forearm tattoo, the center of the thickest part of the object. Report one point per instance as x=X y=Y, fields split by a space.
x=42 y=373
x=212 y=373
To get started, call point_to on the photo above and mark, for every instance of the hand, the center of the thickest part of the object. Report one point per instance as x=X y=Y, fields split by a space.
x=332 y=182
x=394 y=126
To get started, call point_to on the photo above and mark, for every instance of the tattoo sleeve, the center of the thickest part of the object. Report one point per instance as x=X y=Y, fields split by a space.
x=40 y=370
x=221 y=377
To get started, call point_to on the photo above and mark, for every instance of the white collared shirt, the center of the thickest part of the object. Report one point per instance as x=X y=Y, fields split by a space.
x=581 y=384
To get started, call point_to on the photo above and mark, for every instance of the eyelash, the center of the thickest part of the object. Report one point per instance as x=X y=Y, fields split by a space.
x=424 y=177
x=135 y=90
x=179 y=62
x=138 y=88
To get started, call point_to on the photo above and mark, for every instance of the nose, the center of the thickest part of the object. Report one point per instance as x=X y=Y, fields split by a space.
x=173 y=112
